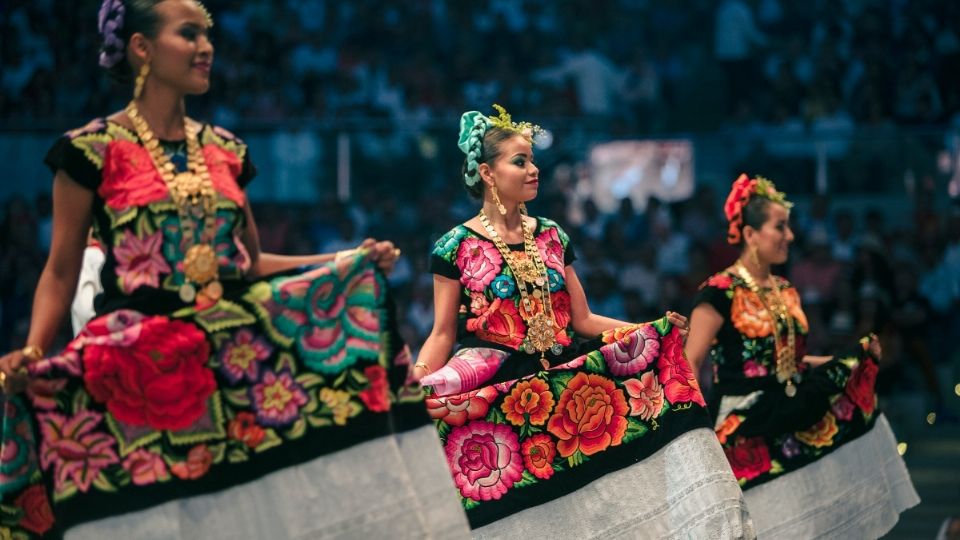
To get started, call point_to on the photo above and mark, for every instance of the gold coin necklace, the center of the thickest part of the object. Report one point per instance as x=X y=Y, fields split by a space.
x=779 y=314
x=193 y=192
x=532 y=280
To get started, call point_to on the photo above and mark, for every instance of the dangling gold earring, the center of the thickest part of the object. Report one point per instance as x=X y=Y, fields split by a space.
x=141 y=78
x=755 y=256
x=496 y=198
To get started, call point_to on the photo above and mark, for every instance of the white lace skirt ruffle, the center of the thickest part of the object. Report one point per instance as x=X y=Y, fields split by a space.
x=395 y=487
x=856 y=491
x=685 y=490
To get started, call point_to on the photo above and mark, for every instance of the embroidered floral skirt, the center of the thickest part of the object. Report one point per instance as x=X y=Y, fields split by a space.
x=615 y=441
x=822 y=463
x=157 y=416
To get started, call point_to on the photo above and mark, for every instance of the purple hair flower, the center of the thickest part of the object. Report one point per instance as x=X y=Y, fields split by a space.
x=109 y=23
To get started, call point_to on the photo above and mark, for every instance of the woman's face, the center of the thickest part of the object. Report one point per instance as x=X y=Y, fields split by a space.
x=182 y=54
x=514 y=173
x=772 y=240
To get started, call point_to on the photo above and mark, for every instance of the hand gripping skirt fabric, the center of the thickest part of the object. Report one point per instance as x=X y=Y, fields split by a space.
x=614 y=443
x=280 y=411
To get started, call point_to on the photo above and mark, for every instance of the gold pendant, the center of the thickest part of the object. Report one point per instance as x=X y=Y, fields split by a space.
x=544 y=362
x=526 y=269
x=790 y=390
x=188 y=184
x=188 y=293
x=200 y=263
x=540 y=332
x=213 y=290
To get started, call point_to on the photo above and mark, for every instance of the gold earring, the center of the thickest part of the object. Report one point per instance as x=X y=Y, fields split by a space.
x=496 y=198
x=755 y=256
x=141 y=78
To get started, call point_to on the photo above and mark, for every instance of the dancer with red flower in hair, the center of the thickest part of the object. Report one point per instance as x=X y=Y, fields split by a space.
x=219 y=392
x=538 y=427
x=802 y=433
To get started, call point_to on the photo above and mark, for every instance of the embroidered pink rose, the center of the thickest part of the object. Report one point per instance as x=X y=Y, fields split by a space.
x=633 y=352
x=139 y=261
x=146 y=467
x=129 y=177
x=484 y=459
x=645 y=396
x=479 y=262
x=458 y=410
x=551 y=249
x=752 y=368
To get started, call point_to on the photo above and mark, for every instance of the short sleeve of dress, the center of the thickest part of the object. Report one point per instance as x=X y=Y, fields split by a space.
x=716 y=294
x=569 y=255
x=69 y=156
x=248 y=170
x=444 y=255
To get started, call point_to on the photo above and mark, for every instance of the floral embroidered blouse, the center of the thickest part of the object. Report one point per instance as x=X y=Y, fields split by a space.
x=135 y=218
x=491 y=313
x=745 y=349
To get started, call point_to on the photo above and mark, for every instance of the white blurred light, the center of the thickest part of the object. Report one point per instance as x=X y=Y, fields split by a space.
x=932 y=418
x=902 y=448
x=543 y=139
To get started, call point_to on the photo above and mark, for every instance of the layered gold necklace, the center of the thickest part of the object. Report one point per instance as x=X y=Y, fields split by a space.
x=532 y=281
x=779 y=314
x=193 y=192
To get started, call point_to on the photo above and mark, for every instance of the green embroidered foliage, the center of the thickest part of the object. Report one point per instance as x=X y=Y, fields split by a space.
x=526 y=480
x=558 y=383
x=595 y=362
x=635 y=430
x=222 y=315
x=662 y=326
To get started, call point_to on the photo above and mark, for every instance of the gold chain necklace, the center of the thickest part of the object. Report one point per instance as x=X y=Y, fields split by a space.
x=786 y=356
x=533 y=273
x=195 y=197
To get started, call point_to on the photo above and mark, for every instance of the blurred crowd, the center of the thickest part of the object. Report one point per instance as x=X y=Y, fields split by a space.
x=625 y=65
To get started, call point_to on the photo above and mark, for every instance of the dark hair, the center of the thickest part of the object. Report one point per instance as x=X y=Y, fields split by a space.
x=755 y=214
x=138 y=16
x=489 y=153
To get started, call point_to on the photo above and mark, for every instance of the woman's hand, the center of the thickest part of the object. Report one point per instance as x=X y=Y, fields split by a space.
x=873 y=347
x=680 y=322
x=13 y=372
x=383 y=253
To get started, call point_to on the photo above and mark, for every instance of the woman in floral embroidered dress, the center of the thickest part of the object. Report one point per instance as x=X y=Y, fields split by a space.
x=802 y=433
x=544 y=435
x=210 y=365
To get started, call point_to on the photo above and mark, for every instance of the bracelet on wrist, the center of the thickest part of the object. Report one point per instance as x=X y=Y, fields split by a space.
x=32 y=352
x=424 y=366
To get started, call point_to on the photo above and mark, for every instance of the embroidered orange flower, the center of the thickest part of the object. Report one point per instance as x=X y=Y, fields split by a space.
x=591 y=416
x=538 y=453
x=728 y=427
x=821 y=434
x=792 y=299
x=528 y=399
x=618 y=333
x=749 y=316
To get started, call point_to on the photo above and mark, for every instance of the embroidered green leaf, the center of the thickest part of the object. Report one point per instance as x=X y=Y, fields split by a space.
x=775 y=467
x=595 y=362
x=558 y=466
x=286 y=363
x=10 y=515
x=238 y=397
x=312 y=403
x=411 y=394
x=496 y=416
x=102 y=483
x=338 y=382
x=81 y=399
x=67 y=489
x=558 y=383
x=318 y=421
x=129 y=438
x=219 y=451
x=309 y=380
x=360 y=378
x=662 y=326
x=526 y=480
x=121 y=217
x=298 y=429
x=443 y=429
x=635 y=430
x=209 y=426
x=270 y=440
x=469 y=504
x=577 y=458
x=222 y=315
x=237 y=455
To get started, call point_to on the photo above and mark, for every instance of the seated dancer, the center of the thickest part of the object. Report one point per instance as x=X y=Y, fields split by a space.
x=803 y=435
x=543 y=436
x=217 y=393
